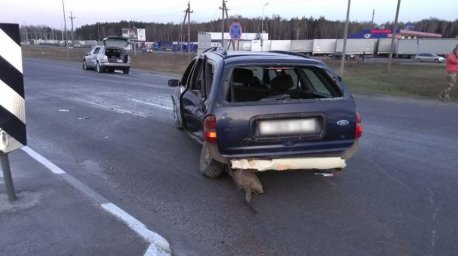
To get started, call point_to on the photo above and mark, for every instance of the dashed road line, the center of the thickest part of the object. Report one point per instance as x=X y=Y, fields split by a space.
x=151 y=104
x=158 y=245
x=114 y=108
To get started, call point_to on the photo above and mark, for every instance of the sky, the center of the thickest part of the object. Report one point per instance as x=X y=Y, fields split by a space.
x=49 y=12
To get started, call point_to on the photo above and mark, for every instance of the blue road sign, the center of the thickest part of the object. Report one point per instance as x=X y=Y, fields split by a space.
x=235 y=30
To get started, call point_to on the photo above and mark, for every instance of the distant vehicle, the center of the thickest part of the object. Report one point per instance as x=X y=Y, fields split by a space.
x=338 y=56
x=429 y=57
x=265 y=111
x=109 y=57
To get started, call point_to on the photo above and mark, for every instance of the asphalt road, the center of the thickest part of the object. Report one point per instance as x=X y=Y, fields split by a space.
x=114 y=132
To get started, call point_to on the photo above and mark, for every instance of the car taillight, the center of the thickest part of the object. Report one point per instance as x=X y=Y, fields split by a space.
x=359 y=126
x=210 y=129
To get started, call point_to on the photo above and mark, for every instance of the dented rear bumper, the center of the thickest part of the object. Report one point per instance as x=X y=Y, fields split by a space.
x=295 y=163
x=281 y=164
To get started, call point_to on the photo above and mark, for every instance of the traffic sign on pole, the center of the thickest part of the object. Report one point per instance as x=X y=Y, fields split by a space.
x=12 y=109
x=235 y=31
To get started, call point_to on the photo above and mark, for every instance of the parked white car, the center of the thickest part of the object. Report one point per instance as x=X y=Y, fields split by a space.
x=429 y=57
x=109 y=57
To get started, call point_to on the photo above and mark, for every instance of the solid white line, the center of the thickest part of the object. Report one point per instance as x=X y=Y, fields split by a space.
x=152 y=104
x=11 y=101
x=39 y=158
x=159 y=245
x=10 y=51
x=115 y=109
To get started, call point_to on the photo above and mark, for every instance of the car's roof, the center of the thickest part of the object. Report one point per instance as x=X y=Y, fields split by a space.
x=279 y=56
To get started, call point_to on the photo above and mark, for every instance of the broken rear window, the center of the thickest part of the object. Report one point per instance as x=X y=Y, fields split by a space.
x=264 y=83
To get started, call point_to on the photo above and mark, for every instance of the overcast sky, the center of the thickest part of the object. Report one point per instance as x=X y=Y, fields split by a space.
x=49 y=12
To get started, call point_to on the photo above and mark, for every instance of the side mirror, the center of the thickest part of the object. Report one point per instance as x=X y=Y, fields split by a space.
x=174 y=83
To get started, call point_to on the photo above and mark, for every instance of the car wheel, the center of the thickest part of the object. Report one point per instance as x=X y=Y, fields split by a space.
x=176 y=119
x=99 y=68
x=126 y=71
x=209 y=167
x=84 y=65
x=436 y=61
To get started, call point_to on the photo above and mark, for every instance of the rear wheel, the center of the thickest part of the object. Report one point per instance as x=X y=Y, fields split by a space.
x=126 y=70
x=208 y=166
x=99 y=68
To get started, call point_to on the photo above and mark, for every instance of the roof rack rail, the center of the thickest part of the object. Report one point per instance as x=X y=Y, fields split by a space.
x=291 y=53
x=216 y=49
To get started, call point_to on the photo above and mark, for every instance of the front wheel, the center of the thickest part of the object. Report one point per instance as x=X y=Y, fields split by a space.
x=126 y=71
x=176 y=119
x=436 y=61
x=208 y=166
x=84 y=65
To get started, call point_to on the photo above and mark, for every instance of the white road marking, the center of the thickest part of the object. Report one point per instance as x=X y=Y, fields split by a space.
x=152 y=104
x=113 y=108
x=159 y=246
x=39 y=158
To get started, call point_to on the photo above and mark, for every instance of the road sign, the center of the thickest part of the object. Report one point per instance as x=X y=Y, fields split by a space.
x=12 y=109
x=141 y=33
x=235 y=30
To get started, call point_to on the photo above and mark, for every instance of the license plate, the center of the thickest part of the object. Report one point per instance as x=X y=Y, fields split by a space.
x=288 y=127
x=119 y=61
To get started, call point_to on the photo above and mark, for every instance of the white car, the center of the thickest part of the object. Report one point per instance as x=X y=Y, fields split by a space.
x=109 y=57
x=429 y=57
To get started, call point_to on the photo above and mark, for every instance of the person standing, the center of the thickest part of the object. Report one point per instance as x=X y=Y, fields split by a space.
x=452 y=71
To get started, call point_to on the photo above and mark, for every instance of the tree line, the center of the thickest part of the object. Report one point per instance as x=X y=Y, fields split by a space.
x=277 y=27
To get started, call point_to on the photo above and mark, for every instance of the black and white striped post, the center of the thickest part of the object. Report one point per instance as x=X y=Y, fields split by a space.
x=12 y=108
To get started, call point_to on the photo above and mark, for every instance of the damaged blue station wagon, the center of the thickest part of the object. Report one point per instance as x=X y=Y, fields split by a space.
x=264 y=111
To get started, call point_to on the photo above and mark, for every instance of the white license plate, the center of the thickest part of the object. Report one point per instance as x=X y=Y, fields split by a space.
x=119 y=61
x=288 y=127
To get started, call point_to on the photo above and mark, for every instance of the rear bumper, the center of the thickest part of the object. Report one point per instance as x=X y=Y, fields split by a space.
x=114 y=65
x=281 y=163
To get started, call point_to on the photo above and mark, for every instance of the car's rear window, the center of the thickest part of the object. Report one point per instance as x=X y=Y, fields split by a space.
x=263 y=83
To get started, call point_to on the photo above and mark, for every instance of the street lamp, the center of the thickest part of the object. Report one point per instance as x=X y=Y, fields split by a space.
x=262 y=23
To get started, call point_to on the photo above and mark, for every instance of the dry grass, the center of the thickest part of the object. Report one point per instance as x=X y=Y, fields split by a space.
x=411 y=80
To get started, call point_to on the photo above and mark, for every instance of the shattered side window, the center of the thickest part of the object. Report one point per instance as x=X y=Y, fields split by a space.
x=274 y=83
x=185 y=78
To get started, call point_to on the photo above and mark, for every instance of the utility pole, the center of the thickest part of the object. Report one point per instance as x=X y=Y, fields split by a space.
x=187 y=15
x=223 y=12
x=189 y=26
x=372 y=22
x=393 y=36
x=65 y=24
x=344 y=50
x=72 y=18
x=262 y=24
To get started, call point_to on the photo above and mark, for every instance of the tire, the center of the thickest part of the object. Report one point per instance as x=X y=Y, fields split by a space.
x=176 y=119
x=208 y=166
x=436 y=61
x=85 y=65
x=126 y=71
x=98 y=68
